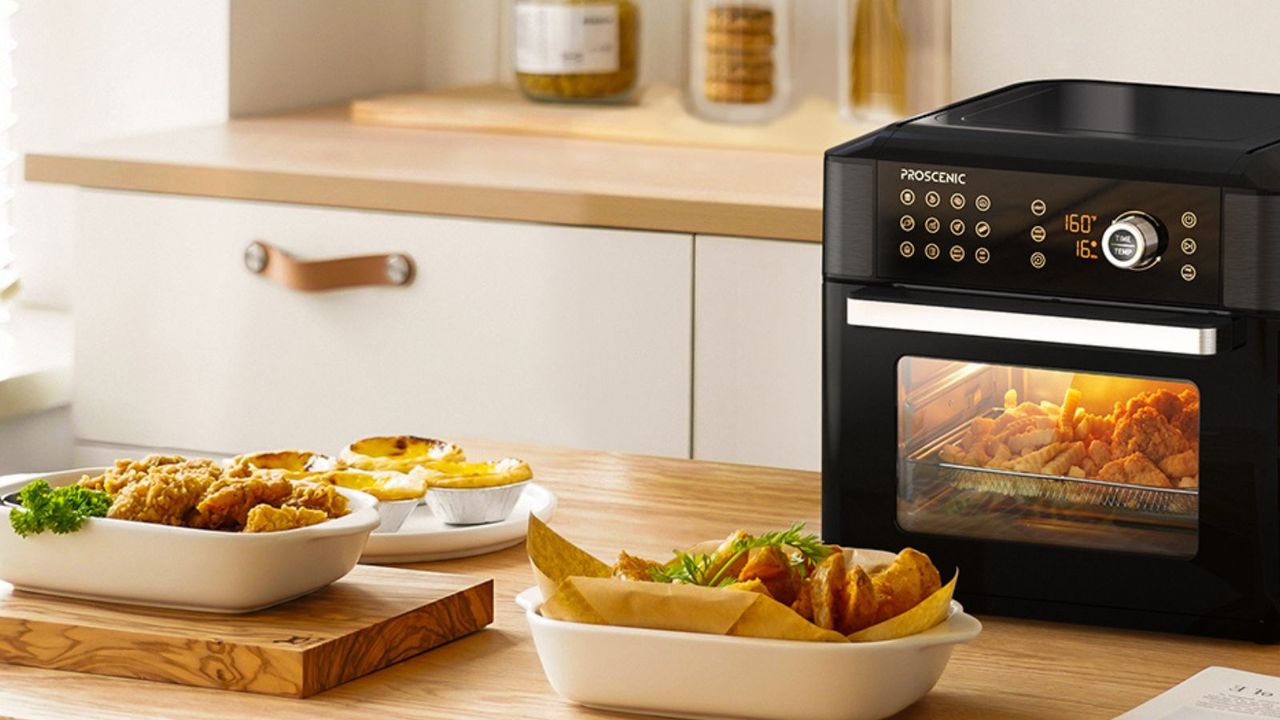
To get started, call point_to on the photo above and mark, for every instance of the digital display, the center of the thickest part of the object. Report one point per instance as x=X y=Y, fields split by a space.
x=1081 y=223
x=1078 y=223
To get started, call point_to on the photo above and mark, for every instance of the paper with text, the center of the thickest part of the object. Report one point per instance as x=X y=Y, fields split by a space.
x=1215 y=693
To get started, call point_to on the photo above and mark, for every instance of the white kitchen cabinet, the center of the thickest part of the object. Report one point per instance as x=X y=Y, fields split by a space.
x=757 y=352
x=543 y=334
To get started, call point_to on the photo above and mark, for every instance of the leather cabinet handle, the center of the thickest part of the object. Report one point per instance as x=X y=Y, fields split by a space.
x=265 y=259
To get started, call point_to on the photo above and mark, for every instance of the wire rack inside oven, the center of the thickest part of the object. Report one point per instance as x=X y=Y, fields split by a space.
x=1177 y=506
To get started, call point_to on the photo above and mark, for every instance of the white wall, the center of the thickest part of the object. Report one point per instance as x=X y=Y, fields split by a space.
x=1214 y=43
x=290 y=54
x=91 y=69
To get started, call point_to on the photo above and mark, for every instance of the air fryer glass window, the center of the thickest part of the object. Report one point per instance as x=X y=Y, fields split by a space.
x=1048 y=456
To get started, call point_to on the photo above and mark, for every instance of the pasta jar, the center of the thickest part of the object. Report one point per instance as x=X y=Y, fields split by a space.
x=576 y=50
x=895 y=57
x=739 y=59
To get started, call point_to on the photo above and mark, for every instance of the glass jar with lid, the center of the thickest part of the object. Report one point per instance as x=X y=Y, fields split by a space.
x=576 y=50
x=739 y=59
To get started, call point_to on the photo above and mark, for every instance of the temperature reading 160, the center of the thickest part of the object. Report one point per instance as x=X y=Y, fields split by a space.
x=1079 y=223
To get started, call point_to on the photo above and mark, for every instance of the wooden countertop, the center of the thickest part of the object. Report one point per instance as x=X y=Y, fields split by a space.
x=1016 y=669
x=321 y=158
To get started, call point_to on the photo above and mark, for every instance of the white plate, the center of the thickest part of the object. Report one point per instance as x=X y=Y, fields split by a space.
x=161 y=566
x=424 y=538
x=695 y=675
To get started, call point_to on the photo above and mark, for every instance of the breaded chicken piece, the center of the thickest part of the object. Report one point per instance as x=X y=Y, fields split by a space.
x=158 y=498
x=1188 y=421
x=1134 y=469
x=264 y=518
x=226 y=504
x=1162 y=401
x=826 y=587
x=858 y=606
x=1184 y=464
x=317 y=496
x=125 y=472
x=1148 y=432
x=910 y=578
x=771 y=565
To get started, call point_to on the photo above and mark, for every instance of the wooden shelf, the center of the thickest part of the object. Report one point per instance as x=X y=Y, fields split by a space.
x=322 y=158
x=657 y=117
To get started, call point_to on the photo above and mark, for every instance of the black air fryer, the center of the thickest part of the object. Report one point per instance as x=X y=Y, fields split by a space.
x=1050 y=352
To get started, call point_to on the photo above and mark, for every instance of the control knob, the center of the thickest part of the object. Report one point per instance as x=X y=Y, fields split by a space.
x=1133 y=242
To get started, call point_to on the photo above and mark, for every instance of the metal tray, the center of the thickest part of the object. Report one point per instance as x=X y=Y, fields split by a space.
x=1176 y=506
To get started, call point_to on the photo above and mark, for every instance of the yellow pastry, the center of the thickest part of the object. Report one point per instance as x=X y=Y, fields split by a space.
x=400 y=453
x=475 y=474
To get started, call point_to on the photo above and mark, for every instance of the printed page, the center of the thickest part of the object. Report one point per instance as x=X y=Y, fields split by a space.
x=1215 y=693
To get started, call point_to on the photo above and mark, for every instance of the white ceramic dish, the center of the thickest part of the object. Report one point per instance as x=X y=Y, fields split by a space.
x=424 y=537
x=692 y=675
x=161 y=566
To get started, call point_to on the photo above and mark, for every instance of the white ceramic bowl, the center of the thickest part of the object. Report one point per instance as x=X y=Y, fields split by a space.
x=681 y=674
x=162 y=566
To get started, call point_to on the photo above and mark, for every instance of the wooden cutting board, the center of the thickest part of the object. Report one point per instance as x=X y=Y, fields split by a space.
x=373 y=617
x=658 y=116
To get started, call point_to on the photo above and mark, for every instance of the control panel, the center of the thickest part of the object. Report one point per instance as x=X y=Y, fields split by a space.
x=1053 y=234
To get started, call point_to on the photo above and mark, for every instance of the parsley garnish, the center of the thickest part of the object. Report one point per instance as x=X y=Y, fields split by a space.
x=62 y=510
x=696 y=568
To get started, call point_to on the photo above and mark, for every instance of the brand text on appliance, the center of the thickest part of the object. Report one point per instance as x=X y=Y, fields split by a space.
x=933 y=176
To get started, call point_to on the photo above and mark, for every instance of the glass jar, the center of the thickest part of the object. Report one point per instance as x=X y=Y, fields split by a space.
x=739 y=59
x=895 y=58
x=576 y=50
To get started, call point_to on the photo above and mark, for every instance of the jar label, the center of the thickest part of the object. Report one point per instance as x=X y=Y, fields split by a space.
x=559 y=39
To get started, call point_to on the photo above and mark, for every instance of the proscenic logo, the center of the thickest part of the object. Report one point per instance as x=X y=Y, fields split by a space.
x=933 y=176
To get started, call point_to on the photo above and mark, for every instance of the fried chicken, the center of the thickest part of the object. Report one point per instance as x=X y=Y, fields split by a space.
x=1149 y=432
x=1184 y=464
x=317 y=496
x=226 y=504
x=159 y=498
x=1134 y=469
x=264 y=518
x=126 y=472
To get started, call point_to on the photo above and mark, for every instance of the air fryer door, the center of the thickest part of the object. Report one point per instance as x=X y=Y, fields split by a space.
x=1081 y=463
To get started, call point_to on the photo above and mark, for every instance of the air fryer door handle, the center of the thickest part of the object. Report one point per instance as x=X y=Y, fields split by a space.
x=1032 y=327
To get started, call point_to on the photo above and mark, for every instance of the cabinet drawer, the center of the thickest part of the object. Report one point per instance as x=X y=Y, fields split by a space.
x=577 y=337
x=758 y=357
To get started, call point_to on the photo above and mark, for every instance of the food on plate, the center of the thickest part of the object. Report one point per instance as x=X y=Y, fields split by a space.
x=294 y=461
x=225 y=504
x=203 y=494
x=60 y=510
x=125 y=472
x=159 y=498
x=451 y=474
x=400 y=453
x=1152 y=439
x=784 y=585
x=386 y=486
x=265 y=518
